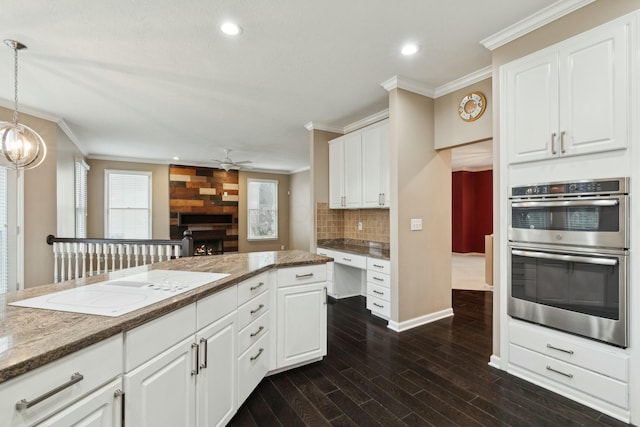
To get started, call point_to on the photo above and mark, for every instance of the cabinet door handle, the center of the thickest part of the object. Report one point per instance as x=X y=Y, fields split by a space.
x=260 y=307
x=304 y=276
x=562 y=141
x=26 y=404
x=378 y=266
x=257 y=355
x=378 y=292
x=346 y=259
x=205 y=344
x=253 y=334
x=326 y=295
x=196 y=364
x=553 y=144
x=378 y=305
x=549 y=368
x=259 y=285
x=559 y=349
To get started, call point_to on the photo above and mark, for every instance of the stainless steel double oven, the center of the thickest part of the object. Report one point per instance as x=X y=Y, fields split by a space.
x=569 y=257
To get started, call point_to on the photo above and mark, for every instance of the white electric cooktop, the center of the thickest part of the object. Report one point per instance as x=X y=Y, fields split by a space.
x=123 y=295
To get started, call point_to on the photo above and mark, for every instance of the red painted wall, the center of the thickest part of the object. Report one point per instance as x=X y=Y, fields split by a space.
x=472 y=210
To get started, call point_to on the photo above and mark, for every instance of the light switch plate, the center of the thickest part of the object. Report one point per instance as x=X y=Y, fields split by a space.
x=416 y=224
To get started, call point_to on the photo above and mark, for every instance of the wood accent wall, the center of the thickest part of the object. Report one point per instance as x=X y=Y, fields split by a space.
x=472 y=210
x=204 y=191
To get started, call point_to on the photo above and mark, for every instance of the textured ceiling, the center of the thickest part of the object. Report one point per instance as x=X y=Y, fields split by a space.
x=154 y=79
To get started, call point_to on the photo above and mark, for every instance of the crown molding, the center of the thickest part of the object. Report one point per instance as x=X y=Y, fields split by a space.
x=323 y=126
x=548 y=14
x=72 y=136
x=384 y=114
x=399 y=82
x=304 y=169
x=462 y=82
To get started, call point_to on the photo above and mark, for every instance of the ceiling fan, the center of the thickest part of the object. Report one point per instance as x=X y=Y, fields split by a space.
x=227 y=163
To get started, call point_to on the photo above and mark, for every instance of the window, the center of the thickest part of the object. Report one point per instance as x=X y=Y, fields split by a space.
x=262 y=203
x=4 y=241
x=81 y=199
x=127 y=204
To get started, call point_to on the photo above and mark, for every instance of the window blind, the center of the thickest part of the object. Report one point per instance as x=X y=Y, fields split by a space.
x=81 y=170
x=128 y=205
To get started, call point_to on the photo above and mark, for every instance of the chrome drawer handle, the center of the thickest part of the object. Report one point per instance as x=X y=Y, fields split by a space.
x=378 y=292
x=304 y=276
x=559 y=349
x=378 y=305
x=26 y=404
x=346 y=259
x=253 y=288
x=378 y=279
x=257 y=355
x=260 y=307
x=253 y=334
x=549 y=368
x=378 y=266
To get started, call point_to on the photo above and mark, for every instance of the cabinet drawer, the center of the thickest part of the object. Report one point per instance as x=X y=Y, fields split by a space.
x=379 y=265
x=379 y=307
x=379 y=279
x=357 y=261
x=253 y=332
x=378 y=292
x=582 y=380
x=569 y=349
x=325 y=252
x=302 y=275
x=329 y=271
x=252 y=287
x=216 y=306
x=251 y=310
x=97 y=364
x=151 y=339
x=253 y=365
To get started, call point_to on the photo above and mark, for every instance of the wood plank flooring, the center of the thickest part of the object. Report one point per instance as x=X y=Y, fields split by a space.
x=433 y=375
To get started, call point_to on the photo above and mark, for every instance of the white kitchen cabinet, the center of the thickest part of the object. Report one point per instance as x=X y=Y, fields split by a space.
x=570 y=99
x=301 y=315
x=345 y=175
x=102 y=408
x=75 y=377
x=162 y=392
x=375 y=166
x=330 y=270
x=379 y=287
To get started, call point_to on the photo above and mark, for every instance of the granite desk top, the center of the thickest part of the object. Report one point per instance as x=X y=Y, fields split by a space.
x=358 y=247
x=30 y=338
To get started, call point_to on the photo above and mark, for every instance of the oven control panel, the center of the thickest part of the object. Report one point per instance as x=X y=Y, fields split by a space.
x=604 y=186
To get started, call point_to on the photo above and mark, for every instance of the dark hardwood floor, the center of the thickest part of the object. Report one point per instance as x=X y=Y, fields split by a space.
x=433 y=375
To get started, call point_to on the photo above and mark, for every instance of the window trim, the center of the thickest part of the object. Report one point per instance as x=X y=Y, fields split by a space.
x=107 y=173
x=276 y=235
x=81 y=166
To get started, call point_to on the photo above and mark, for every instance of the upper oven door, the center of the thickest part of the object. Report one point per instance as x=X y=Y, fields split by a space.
x=580 y=221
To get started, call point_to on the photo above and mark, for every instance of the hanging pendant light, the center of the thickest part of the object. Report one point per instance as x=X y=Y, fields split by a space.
x=22 y=147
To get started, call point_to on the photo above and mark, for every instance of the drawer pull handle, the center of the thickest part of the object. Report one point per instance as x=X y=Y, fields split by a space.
x=304 y=276
x=559 y=349
x=378 y=279
x=259 y=285
x=253 y=358
x=378 y=292
x=26 y=404
x=205 y=344
x=378 y=266
x=378 y=305
x=549 y=368
x=260 y=307
x=253 y=334
x=346 y=259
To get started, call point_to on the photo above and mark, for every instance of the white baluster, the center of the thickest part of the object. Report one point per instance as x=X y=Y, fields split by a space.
x=56 y=257
x=144 y=254
x=76 y=259
x=127 y=248
x=152 y=254
x=113 y=256
x=69 y=261
x=83 y=249
x=176 y=251
x=121 y=256
x=98 y=257
x=90 y=248
x=136 y=254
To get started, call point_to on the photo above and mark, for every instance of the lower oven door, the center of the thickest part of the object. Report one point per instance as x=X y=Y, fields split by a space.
x=580 y=292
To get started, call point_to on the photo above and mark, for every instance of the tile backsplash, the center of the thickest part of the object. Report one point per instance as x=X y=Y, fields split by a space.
x=343 y=223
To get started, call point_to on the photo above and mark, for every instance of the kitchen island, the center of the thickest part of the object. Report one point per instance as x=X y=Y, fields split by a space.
x=33 y=340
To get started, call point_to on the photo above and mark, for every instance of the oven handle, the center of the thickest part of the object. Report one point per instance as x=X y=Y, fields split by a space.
x=565 y=203
x=568 y=258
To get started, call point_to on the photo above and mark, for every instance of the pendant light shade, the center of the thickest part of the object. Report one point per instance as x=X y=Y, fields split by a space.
x=22 y=147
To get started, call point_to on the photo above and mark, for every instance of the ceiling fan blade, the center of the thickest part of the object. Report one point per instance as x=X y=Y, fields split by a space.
x=243 y=162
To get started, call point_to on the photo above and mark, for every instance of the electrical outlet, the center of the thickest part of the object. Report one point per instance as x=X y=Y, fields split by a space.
x=282 y=247
x=416 y=224
x=359 y=225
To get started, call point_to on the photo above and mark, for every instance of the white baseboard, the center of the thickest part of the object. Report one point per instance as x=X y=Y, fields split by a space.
x=494 y=361
x=418 y=321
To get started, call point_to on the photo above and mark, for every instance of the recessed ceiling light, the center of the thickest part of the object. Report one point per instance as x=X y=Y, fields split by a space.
x=176 y=158
x=409 y=49
x=231 y=29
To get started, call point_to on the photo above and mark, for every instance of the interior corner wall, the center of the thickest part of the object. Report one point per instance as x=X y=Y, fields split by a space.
x=471 y=210
x=421 y=183
x=67 y=154
x=160 y=215
x=245 y=245
x=300 y=211
x=319 y=175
